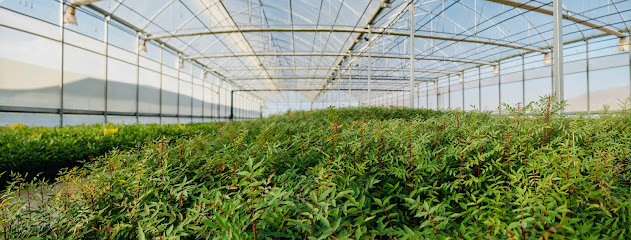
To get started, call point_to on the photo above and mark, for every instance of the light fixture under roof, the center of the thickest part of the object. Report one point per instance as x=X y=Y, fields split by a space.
x=83 y=2
x=386 y=3
x=70 y=13
x=547 y=59
x=496 y=69
x=142 y=46
x=460 y=77
x=623 y=44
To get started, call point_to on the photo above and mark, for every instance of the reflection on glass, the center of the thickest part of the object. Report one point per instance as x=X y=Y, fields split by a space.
x=575 y=92
x=490 y=98
x=536 y=88
x=471 y=99
x=512 y=93
x=608 y=87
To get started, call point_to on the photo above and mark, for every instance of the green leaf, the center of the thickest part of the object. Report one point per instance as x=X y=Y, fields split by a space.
x=141 y=233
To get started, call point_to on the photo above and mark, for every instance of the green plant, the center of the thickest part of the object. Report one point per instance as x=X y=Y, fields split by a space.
x=356 y=173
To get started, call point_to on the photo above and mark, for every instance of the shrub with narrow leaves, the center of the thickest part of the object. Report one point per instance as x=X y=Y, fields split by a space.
x=358 y=173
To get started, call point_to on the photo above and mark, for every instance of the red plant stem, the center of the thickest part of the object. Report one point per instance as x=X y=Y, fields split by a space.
x=384 y=211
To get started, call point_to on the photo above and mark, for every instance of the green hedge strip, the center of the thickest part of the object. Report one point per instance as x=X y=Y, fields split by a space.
x=358 y=173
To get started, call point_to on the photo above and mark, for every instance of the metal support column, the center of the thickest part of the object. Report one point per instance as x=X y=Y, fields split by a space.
x=203 y=94
x=178 y=87
x=449 y=91
x=427 y=95
x=219 y=100
x=212 y=96
x=587 y=73
x=462 y=89
x=350 y=80
x=61 y=72
x=437 y=95
x=557 y=8
x=418 y=95
x=231 y=105
x=480 y=88
x=192 y=91
x=499 y=87
x=137 y=77
x=161 y=77
x=411 y=39
x=523 y=80
x=369 y=65
x=105 y=41
x=338 y=94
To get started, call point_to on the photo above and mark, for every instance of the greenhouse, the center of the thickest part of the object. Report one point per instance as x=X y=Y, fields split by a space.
x=315 y=119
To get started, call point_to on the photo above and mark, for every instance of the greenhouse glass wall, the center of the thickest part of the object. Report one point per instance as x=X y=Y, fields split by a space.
x=195 y=61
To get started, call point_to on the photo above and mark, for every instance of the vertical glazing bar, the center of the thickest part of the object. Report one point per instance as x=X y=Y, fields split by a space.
x=178 y=87
x=219 y=100
x=137 y=77
x=462 y=89
x=61 y=72
x=338 y=94
x=418 y=95
x=212 y=96
x=106 y=42
x=523 y=80
x=203 y=94
x=480 y=88
x=587 y=77
x=437 y=95
x=449 y=91
x=427 y=95
x=557 y=7
x=161 y=66
x=369 y=65
x=499 y=86
x=192 y=89
x=411 y=53
x=350 y=80
x=231 y=105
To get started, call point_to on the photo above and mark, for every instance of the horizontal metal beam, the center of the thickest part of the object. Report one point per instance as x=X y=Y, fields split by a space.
x=136 y=29
x=377 y=31
x=36 y=110
x=547 y=11
x=326 y=77
x=334 y=54
x=316 y=90
x=281 y=68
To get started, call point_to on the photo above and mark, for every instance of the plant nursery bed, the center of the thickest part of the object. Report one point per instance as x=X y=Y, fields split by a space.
x=355 y=173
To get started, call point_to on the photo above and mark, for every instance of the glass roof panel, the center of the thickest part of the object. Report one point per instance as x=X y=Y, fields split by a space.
x=271 y=42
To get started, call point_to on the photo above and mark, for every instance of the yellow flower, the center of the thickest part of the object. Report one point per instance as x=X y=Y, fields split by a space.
x=17 y=125
x=110 y=131
x=575 y=162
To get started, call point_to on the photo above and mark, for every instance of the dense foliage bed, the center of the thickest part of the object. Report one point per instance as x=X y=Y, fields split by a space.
x=350 y=173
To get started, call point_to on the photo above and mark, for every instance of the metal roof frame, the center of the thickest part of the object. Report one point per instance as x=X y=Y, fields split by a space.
x=269 y=43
